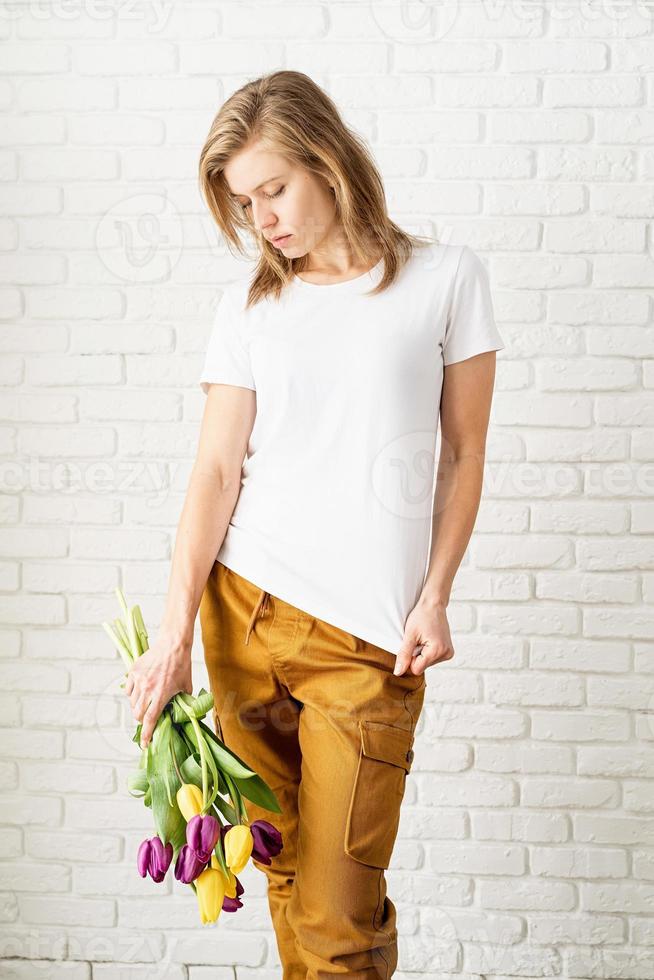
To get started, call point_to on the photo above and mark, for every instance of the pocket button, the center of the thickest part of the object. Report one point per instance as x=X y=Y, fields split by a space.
x=409 y=755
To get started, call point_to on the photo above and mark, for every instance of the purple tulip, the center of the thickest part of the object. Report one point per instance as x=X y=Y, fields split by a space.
x=232 y=904
x=188 y=866
x=202 y=833
x=267 y=841
x=154 y=859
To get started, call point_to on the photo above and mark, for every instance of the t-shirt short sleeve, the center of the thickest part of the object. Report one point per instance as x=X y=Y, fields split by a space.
x=470 y=328
x=227 y=360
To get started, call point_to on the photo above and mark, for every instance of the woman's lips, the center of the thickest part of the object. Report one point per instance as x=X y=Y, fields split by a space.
x=282 y=240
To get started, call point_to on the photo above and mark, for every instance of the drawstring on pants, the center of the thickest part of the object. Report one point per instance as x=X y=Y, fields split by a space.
x=262 y=603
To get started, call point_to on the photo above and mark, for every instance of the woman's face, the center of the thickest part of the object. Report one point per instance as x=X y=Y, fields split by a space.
x=283 y=199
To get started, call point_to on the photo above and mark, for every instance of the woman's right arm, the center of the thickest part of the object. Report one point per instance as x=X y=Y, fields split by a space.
x=214 y=485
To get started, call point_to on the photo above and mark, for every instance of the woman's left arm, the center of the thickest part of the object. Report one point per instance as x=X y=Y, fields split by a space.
x=464 y=415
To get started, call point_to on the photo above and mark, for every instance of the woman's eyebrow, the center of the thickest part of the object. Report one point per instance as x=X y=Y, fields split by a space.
x=262 y=184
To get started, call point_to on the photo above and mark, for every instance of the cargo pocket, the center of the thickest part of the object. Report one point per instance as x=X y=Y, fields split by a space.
x=385 y=758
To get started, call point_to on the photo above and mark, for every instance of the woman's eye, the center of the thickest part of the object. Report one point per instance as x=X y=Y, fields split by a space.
x=269 y=196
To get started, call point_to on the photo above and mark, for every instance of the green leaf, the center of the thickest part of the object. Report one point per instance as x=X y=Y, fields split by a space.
x=227 y=810
x=226 y=760
x=137 y=782
x=198 y=706
x=163 y=785
x=213 y=771
x=140 y=628
x=220 y=856
x=259 y=792
x=192 y=773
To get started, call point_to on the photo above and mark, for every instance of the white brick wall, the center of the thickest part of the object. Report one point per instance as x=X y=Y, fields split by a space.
x=525 y=130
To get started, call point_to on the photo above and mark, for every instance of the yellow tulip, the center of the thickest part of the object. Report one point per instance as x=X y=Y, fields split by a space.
x=189 y=800
x=230 y=886
x=238 y=846
x=210 y=887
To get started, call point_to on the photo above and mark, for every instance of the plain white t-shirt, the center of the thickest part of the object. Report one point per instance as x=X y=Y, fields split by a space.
x=335 y=505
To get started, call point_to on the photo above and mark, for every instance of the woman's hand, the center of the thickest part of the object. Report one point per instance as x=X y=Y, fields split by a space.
x=426 y=626
x=154 y=678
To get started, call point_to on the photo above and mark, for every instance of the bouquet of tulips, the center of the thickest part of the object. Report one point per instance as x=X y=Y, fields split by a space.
x=183 y=775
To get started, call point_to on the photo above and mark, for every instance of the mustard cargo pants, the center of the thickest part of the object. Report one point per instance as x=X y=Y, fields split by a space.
x=323 y=719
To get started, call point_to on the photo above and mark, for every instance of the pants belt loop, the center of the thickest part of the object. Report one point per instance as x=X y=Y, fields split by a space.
x=260 y=607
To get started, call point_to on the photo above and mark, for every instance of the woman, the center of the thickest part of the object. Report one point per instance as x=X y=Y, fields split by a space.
x=322 y=562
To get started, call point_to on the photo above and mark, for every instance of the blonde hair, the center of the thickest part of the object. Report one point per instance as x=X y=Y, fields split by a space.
x=291 y=114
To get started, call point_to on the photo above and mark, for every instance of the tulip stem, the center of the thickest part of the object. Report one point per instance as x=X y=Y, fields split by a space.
x=175 y=763
x=201 y=749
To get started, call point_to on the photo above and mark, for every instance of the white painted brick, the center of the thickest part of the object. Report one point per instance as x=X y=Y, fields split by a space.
x=595 y=308
x=523 y=758
x=570 y=792
x=75 y=847
x=67 y=164
x=10 y=643
x=28 y=969
x=73 y=509
x=121 y=404
x=475 y=859
x=10 y=507
x=113 y=947
x=487 y=91
x=580 y=726
x=9 y=770
x=9 y=576
x=120 y=971
x=482 y=162
x=65 y=94
x=622 y=897
x=64 y=578
x=37 y=408
x=26 y=877
x=431 y=124
x=587 y=163
x=11 y=847
x=535 y=894
x=480 y=790
x=635 y=963
x=616 y=90
x=37 y=610
x=536 y=961
x=67 y=778
x=74 y=370
x=557 y=56
x=67 y=911
x=539 y=127
x=519 y=826
x=585 y=930
x=244 y=949
x=121 y=544
x=32 y=676
x=632 y=410
x=573 y=587
x=53 y=441
x=570 y=517
x=127 y=129
x=32 y=270
x=572 y=862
